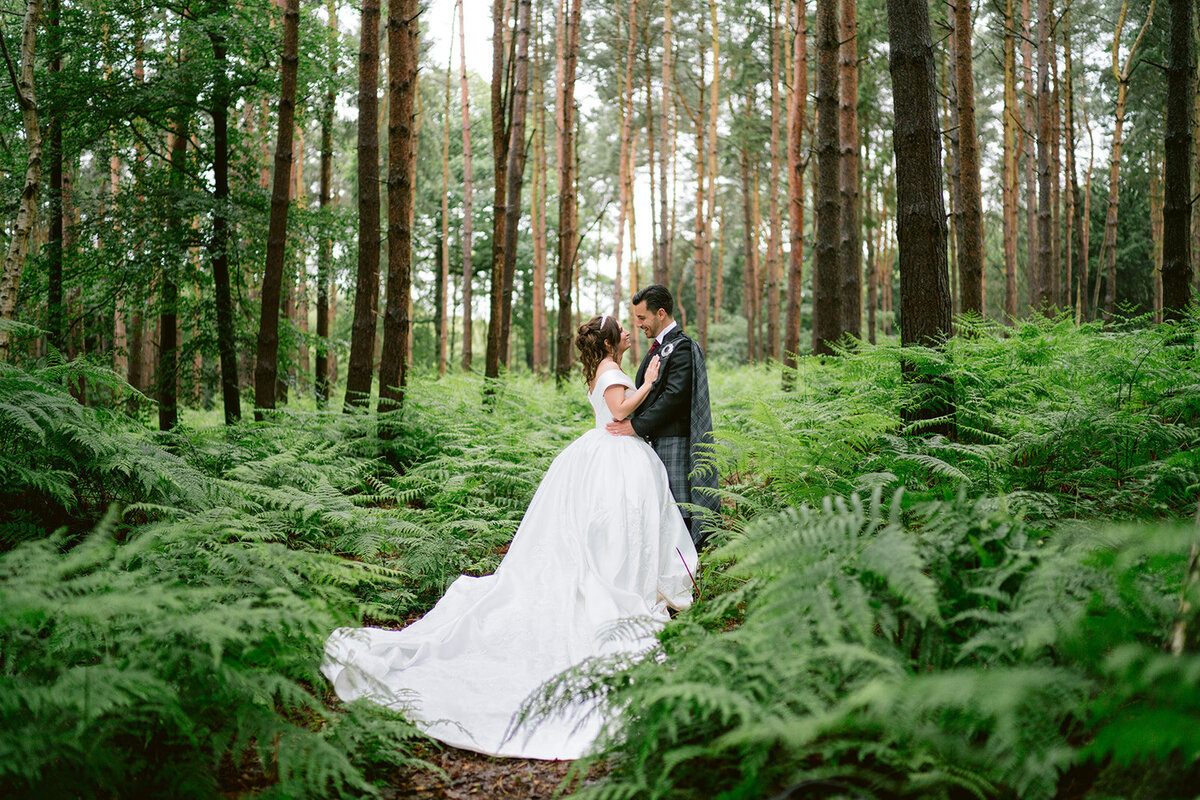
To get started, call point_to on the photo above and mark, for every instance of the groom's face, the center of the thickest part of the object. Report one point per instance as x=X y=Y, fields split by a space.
x=651 y=322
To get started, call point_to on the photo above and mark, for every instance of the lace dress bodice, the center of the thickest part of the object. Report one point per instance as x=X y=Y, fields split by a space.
x=604 y=380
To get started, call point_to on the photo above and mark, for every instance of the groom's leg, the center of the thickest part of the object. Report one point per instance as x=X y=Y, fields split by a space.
x=673 y=450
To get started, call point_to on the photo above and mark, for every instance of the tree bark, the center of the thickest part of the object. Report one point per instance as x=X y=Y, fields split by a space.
x=568 y=199
x=167 y=375
x=750 y=246
x=500 y=100
x=515 y=170
x=1042 y=294
x=56 y=311
x=18 y=244
x=775 y=222
x=537 y=208
x=850 y=243
x=827 y=307
x=325 y=246
x=403 y=27
x=1077 y=264
x=219 y=246
x=1010 y=189
x=468 y=198
x=266 y=369
x=797 y=106
x=920 y=214
x=1177 y=255
x=443 y=306
x=969 y=227
x=1121 y=74
x=712 y=310
x=662 y=266
x=366 y=294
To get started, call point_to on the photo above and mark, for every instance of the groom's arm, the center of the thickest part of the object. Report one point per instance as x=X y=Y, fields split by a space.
x=674 y=401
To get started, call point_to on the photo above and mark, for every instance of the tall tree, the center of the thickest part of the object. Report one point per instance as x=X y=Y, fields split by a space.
x=920 y=214
x=403 y=27
x=662 y=264
x=1010 y=188
x=568 y=198
x=537 y=204
x=969 y=224
x=56 y=310
x=366 y=293
x=18 y=244
x=443 y=309
x=219 y=242
x=515 y=170
x=1043 y=299
x=827 y=307
x=797 y=104
x=1028 y=129
x=167 y=375
x=1121 y=74
x=775 y=222
x=325 y=198
x=625 y=165
x=850 y=235
x=468 y=198
x=1177 y=255
x=1077 y=262
x=266 y=369
x=500 y=100
x=750 y=232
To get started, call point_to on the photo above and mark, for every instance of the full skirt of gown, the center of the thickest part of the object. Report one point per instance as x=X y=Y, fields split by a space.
x=602 y=543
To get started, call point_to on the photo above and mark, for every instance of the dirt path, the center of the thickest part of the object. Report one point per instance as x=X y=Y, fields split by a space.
x=471 y=776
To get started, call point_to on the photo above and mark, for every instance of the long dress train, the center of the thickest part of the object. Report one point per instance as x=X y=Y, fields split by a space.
x=601 y=542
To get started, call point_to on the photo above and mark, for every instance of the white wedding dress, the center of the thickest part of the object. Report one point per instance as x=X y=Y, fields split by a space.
x=602 y=542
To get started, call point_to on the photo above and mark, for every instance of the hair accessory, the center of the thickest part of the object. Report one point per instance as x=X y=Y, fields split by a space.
x=603 y=320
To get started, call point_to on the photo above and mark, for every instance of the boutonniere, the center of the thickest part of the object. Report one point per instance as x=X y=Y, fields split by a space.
x=665 y=351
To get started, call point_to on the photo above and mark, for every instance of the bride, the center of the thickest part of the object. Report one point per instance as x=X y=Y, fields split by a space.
x=601 y=542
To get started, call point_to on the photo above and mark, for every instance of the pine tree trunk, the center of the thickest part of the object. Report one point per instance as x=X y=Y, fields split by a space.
x=443 y=310
x=325 y=246
x=366 y=294
x=1076 y=267
x=1009 y=176
x=515 y=170
x=403 y=28
x=920 y=215
x=712 y=311
x=775 y=222
x=1041 y=296
x=568 y=199
x=1056 y=265
x=1177 y=255
x=699 y=265
x=1121 y=74
x=468 y=198
x=167 y=374
x=750 y=247
x=1028 y=131
x=500 y=100
x=537 y=208
x=827 y=307
x=226 y=336
x=1156 y=232
x=18 y=244
x=797 y=107
x=56 y=313
x=850 y=242
x=969 y=228
x=662 y=265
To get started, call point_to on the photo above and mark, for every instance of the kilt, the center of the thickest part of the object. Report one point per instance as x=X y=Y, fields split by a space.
x=673 y=450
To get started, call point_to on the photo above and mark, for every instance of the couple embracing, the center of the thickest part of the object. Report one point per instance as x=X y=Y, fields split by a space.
x=609 y=536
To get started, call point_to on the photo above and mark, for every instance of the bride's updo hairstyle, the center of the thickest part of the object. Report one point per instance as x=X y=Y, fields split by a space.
x=595 y=340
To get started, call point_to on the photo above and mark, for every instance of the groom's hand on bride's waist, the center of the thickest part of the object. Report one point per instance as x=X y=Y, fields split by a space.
x=621 y=428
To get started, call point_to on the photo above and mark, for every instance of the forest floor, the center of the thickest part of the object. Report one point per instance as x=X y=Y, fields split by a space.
x=472 y=776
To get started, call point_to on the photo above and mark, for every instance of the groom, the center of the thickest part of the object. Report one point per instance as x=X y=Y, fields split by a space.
x=675 y=417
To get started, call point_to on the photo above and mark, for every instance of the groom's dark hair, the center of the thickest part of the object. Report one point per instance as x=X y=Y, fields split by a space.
x=655 y=297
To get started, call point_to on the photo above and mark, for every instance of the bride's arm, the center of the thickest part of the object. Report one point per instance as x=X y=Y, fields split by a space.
x=622 y=405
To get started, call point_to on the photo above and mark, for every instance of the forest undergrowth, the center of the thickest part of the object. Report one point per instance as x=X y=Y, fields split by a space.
x=886 y=612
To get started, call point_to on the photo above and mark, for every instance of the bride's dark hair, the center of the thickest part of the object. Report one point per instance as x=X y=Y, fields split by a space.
x=596 y=339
